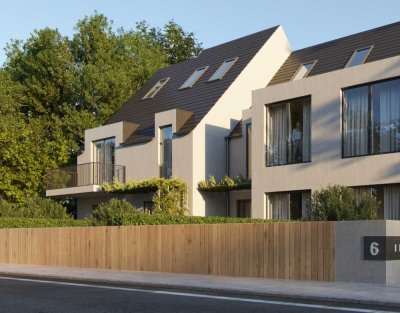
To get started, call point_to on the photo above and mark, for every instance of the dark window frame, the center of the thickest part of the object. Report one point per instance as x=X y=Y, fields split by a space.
x=267 y=194
x=370 y=116
x=266 y=129
x=161 y=147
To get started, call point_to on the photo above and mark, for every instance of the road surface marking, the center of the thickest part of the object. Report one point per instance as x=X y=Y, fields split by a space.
x=195 y=295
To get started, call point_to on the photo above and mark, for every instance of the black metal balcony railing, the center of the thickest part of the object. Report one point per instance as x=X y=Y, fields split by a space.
x=86 y=174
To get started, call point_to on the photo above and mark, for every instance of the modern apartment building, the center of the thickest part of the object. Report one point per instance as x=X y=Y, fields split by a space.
x=292 y=121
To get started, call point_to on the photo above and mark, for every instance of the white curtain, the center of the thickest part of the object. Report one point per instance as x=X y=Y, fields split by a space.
x=391 y=202
x=389 y=115
x=278 y=130
x=279 y=206
x=306 y=131
x=356 y=121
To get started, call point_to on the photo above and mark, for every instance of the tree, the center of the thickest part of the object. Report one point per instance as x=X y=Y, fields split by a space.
x=52 y=88
x=177 y=44
x=43 y=67
x=111 y=66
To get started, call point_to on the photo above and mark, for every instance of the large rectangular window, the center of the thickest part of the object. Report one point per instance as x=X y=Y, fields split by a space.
x=288 y=205
x=289 y=132
x=371 y=119
x=166 y=151
x=388 y=198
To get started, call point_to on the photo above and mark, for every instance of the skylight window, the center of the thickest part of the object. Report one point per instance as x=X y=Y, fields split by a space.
x=304 y=70
x=156 y=88
x=358 y=57
x=194 y=77
x=223 y=69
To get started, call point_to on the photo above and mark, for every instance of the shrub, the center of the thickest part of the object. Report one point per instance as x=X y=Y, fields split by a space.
x=113 y=212
x=34 y=207
x=338 y=203
x=44 y=208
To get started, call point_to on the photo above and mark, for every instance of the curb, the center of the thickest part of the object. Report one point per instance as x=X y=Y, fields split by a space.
x=236 y=292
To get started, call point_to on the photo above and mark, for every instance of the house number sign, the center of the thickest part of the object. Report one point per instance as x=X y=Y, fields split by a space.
x=381 y=248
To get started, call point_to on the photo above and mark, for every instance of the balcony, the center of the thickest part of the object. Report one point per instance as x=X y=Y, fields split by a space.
x=82 y=178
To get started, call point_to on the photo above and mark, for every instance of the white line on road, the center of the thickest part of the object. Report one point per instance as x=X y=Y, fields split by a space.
x=195 y=295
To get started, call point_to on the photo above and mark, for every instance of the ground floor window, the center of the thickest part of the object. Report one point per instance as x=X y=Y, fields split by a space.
x=388 y=197
x=288 y=205
x=243 y=208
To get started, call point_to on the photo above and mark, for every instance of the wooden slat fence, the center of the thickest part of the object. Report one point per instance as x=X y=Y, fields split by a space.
x=301 y=251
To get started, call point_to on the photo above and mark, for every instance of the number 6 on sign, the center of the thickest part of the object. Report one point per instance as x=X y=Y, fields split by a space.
x=374 y=248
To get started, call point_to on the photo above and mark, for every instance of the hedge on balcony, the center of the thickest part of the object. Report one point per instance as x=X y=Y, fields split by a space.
x=225 y=184
x=170 y=194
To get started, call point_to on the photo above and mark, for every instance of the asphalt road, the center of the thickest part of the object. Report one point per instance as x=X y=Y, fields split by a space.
x=30 y=295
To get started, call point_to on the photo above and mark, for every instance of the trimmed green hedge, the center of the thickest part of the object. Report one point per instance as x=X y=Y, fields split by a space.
x=137 y=219
x=162 y=219
x=17 y=222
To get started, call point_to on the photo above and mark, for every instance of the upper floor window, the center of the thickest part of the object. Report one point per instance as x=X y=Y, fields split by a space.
x=371 y=119
x=194 y=77
x=166 y=151
x=288 y=132
x=223 y=69
x=304 y=70
x=358 y=57
x=156 y=88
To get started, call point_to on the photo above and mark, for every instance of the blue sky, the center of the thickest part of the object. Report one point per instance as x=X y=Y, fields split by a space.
x=306 y=22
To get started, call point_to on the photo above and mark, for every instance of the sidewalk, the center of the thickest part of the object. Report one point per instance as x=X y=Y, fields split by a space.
x=327 y=291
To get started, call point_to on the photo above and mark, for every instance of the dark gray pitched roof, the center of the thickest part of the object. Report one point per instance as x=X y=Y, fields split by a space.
x=333 y=55
x=200 y=98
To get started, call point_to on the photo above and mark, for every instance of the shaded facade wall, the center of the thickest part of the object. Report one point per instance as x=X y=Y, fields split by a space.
x=327 y=165
x=238 y=164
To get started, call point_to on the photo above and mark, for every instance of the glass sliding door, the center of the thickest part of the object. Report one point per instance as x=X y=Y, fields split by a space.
x=103 y=160
x=166 y=151
x=289 y=132
x=371 y=119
